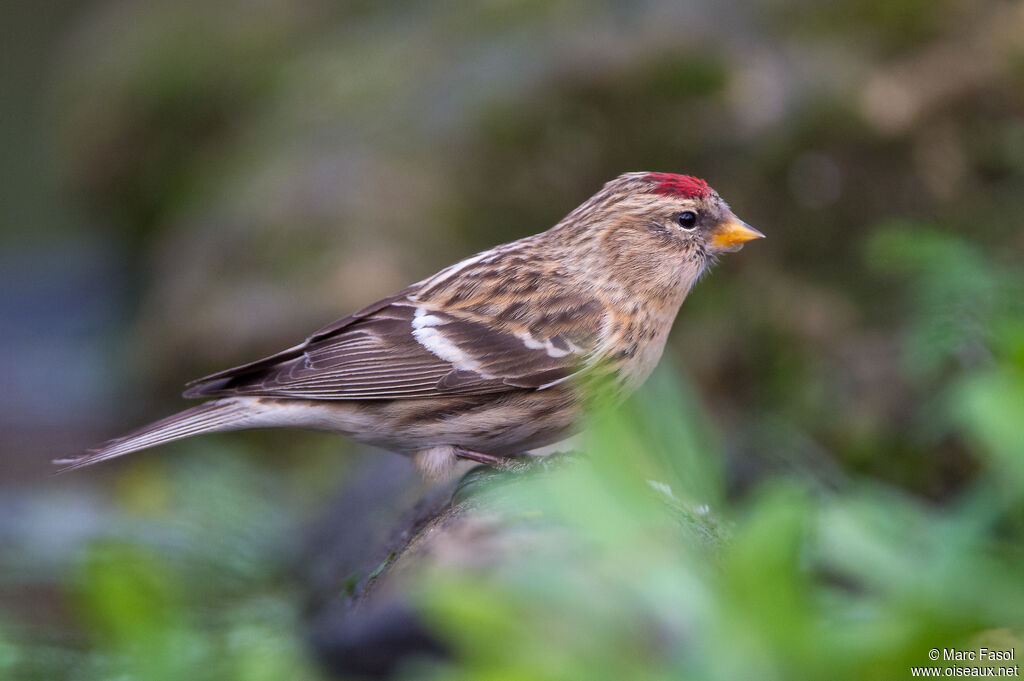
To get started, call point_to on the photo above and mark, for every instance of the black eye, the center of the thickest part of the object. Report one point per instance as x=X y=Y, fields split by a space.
x=687 y=220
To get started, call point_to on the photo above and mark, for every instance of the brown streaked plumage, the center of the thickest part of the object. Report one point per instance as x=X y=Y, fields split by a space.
x=483 y=360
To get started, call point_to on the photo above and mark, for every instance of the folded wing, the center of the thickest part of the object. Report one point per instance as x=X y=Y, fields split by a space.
x=404 y=348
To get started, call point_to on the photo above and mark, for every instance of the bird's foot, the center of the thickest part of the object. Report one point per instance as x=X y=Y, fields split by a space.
x=501 y=463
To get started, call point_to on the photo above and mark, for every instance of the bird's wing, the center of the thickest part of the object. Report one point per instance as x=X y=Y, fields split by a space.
x=405 y=347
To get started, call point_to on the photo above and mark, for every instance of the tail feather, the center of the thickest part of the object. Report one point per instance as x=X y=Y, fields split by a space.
x=209 y=417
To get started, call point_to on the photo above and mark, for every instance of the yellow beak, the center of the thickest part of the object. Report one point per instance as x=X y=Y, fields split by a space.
x=733 y=232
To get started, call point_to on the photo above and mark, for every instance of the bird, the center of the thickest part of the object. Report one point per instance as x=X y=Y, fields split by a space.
x=490 y=357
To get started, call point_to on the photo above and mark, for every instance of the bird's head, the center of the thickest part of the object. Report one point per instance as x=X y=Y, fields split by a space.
x=679 y=210
x=702 y=217
x=659 y=224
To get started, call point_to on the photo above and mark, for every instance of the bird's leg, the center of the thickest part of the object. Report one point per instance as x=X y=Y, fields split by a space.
x=503 y=463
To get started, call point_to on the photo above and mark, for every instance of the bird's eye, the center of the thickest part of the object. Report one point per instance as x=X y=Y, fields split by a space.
x=687 y=220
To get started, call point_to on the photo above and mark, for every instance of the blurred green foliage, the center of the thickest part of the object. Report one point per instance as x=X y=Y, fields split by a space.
x=189 y=582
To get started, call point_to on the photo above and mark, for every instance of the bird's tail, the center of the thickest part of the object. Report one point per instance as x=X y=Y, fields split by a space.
x=209 y=417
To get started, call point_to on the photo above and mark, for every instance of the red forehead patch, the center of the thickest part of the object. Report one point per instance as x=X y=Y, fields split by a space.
x=686 y=186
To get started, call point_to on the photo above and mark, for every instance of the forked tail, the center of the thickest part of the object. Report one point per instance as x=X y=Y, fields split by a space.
x=209 y=417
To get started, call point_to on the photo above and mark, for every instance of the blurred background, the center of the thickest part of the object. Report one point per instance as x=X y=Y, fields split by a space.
x=187 y=185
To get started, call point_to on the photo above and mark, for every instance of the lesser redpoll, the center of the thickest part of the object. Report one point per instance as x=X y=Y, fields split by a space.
x=483 y=360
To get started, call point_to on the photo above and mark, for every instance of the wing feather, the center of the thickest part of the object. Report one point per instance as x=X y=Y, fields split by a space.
x=406 y=347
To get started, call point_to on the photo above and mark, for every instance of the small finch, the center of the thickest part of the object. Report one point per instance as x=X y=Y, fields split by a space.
x=484 y=360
